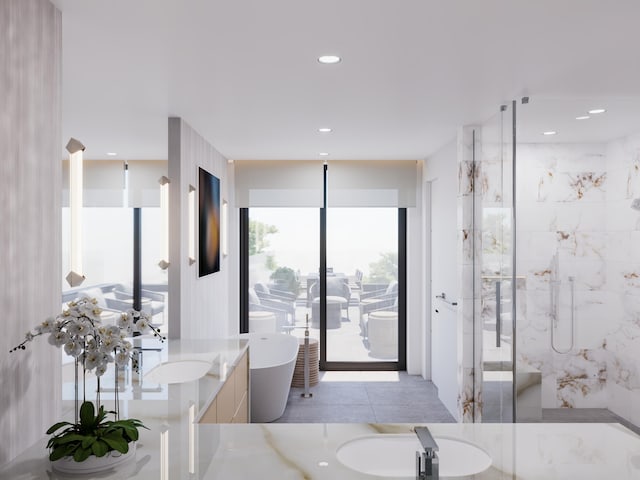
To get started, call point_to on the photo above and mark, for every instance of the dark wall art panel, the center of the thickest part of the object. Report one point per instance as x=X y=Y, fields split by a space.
x=209 y=223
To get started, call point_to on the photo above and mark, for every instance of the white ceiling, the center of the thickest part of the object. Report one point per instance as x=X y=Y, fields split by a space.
x=244 y=72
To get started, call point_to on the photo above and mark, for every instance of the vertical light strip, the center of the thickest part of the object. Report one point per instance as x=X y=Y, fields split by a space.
x=164 y=454
x=225 y=228
x=164 y=212
x=75 y=149
x=192 y=224
x=192 y=439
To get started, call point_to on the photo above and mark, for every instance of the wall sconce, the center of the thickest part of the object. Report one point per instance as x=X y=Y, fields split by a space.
x=75 y=148
x=164 y=212
x=192 y=439
x=224 y=242
x=164 y=453
x=192 y=224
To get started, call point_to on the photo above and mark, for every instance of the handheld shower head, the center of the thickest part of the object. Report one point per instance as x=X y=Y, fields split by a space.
x=636 y=204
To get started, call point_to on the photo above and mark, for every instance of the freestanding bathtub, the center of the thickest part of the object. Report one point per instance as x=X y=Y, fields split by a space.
x=272 y=359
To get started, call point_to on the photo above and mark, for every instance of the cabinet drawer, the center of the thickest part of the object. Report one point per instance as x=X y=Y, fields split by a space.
x=242 y=378
x=242 y=415
x=211 y=415
x=226 y=401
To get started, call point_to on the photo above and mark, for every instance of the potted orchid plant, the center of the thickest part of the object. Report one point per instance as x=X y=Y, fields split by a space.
x=94 y=346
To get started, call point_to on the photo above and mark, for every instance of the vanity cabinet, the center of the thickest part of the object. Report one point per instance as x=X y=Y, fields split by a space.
x=231 y=404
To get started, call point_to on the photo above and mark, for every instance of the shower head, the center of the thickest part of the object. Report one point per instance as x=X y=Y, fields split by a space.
x=636 y=204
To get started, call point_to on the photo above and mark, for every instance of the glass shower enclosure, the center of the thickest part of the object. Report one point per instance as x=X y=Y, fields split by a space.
x=494 y=278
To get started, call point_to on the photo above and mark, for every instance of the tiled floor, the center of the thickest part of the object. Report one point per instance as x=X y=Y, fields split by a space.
x=367 y=397
x=395 y=397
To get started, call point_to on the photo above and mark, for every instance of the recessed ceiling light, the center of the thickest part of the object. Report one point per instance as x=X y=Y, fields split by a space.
x=550 y=132
x=597 y=110
x=329 y=59
x=324 y=130
x=112 y=154
x=583 y=117
x=324 y=154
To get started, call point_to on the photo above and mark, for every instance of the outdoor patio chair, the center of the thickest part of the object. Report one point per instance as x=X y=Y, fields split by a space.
x=338 y=291
x=264 y=291
x=281 y=309
x=377 y=300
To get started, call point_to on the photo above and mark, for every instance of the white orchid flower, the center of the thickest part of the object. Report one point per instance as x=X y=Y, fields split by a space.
x=113 y=331
x=79 y=328
x=108 y=344
x=127 y=347
x=92 y=360
x=59 y=338
x=125 y=322
x=73 y=348
x=48 y=325
x=142 y=325
x=122 y=358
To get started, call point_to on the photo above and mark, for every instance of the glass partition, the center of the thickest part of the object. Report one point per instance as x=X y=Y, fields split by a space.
x=494 y=215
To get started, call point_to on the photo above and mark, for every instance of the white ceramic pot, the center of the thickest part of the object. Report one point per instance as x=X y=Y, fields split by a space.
x=94 y=464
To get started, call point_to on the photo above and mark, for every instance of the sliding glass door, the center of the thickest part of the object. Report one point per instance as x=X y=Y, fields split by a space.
x=342 y=273
x=362 y=279
x=283 y=256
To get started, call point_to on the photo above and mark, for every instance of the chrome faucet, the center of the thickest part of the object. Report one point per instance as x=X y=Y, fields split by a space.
x=427 y=461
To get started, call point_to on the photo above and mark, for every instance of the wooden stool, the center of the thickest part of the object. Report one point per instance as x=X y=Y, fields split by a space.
x=314 y=364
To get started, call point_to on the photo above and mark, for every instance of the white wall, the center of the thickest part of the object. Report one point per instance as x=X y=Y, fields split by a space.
x=198 y=307
x=440 y=171
x=30 y=211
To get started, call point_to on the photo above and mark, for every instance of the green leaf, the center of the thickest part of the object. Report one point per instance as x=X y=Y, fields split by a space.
x=116 y=443
x=99 y=448
x=72 y=437
x=56 y=426
x=81 y=454
x=87 y=414
x=132 y=433
x=61 y=452
x=88 y=441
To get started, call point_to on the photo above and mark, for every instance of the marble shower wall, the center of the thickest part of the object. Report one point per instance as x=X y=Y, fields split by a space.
x=561 y=212
x=468 y=239
x=622 y=272
x=576 y=234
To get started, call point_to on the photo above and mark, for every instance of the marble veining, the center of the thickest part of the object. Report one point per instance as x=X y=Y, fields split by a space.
x=308 y=451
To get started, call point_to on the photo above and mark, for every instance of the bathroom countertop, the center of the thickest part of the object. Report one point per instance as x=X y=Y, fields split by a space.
x=307 y=451
x=176 y=447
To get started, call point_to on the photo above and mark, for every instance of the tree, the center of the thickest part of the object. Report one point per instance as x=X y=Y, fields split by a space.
x=258 y=232
x=385 y=269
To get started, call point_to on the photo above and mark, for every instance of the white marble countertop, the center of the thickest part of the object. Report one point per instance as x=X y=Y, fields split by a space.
x=175 y=447
x=308 y=451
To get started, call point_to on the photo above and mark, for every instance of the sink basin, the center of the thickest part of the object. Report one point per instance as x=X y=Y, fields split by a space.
x=178 y=371
x=395 y=456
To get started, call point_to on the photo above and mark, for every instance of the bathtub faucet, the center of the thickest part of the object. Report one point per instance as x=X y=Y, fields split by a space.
x=427 y=461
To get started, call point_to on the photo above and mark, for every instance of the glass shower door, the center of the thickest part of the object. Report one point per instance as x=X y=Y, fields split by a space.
x=495 y=214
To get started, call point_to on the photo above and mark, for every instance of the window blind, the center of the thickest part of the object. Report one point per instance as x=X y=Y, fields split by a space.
x=279 y=183
x=374 y=183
